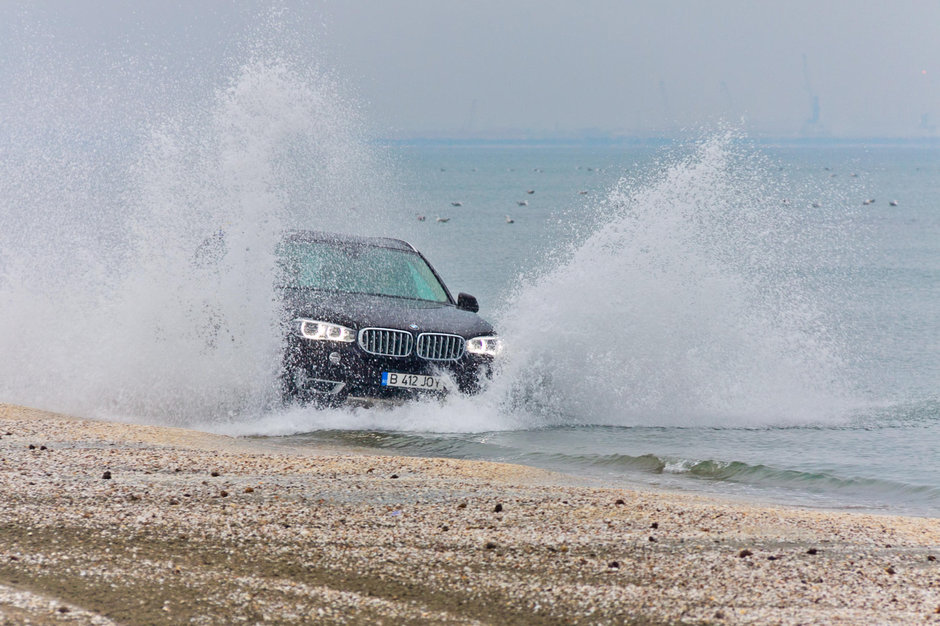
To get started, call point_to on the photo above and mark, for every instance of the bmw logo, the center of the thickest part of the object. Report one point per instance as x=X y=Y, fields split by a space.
x=413 y=326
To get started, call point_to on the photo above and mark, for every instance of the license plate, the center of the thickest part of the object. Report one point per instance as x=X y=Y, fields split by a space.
x=412 y=381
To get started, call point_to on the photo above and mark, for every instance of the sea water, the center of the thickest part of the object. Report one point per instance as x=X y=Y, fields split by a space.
x=717 y=315
x=704 y=313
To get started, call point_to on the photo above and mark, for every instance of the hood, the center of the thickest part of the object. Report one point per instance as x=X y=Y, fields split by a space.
x=358 y=311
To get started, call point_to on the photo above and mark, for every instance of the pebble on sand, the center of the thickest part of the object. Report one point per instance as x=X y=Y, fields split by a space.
x=555 y=546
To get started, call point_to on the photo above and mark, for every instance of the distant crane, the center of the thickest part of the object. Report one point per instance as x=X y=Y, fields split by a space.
x=926 y=125
x=811 y=126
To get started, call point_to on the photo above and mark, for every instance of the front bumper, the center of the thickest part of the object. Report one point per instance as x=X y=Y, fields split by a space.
x=329 y=372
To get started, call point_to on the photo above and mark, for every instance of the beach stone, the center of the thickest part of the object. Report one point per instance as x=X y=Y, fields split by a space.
x=343 y=565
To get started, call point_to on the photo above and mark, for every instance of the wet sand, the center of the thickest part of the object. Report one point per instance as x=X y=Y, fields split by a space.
x=103 y=523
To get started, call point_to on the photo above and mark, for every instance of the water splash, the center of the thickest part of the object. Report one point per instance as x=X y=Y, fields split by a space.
x=687 y=305
x=680 y=300
x=683 y=300
x=108 y=305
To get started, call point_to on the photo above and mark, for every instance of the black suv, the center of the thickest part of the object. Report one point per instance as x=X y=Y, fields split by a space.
x=370 y=319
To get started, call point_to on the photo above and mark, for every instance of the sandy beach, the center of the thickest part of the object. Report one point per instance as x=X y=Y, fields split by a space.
x=105 y=523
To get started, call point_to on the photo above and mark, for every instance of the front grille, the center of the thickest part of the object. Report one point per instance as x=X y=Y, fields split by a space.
x=385 y=341
x=438 y=347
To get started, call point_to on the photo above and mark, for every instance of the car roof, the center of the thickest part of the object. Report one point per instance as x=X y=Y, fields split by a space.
x=346 y=239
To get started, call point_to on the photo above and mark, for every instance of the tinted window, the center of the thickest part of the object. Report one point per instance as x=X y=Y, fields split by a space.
x=358 y=269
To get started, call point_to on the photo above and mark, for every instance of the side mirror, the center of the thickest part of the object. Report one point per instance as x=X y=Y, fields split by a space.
x=466 y=302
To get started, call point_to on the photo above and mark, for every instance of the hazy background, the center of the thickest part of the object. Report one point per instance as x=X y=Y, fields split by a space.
x=531 y=68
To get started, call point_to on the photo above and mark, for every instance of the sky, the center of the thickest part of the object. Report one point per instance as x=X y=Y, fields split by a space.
x=545 y=67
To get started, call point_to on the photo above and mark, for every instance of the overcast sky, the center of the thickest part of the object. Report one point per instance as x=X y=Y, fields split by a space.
x=452 y=67
x=637 y=66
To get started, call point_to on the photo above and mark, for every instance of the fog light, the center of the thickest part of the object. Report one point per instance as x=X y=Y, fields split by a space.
x=335 y=358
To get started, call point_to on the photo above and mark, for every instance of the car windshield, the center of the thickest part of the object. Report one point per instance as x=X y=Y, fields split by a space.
x=356 y=268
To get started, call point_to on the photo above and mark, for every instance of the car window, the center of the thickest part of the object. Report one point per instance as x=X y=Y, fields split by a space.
x=358 y=269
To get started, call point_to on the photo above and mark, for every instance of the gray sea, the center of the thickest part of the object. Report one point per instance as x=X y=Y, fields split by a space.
x=710 y=313
x=749 y=318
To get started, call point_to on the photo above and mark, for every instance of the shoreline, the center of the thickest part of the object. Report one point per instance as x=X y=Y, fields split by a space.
x=721 y=491
x=106 y=522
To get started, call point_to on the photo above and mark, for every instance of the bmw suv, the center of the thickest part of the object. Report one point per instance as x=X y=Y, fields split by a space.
x=370 y=319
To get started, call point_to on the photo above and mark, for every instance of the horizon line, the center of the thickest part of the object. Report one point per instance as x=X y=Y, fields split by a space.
x=663 y=138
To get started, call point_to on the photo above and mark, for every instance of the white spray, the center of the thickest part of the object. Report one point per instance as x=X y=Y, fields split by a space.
x=686 y=306
x=143 y=318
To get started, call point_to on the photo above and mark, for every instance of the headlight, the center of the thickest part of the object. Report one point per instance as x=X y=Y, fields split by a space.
x=323 y=331
x=490 y=345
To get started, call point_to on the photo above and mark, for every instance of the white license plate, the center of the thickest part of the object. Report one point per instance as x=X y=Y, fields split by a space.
x=412 y=381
